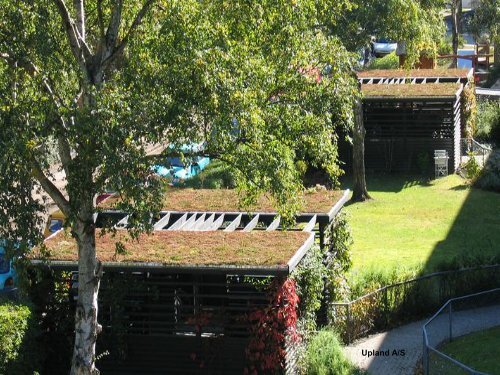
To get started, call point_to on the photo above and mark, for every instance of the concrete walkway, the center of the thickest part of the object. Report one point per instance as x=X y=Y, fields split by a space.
x=409 y=338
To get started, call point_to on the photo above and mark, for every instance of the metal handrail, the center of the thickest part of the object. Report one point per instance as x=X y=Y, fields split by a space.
x=428 y=276
x=428 y=347
x=477 y=144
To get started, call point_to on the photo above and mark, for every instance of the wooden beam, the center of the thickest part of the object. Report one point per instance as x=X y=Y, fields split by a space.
x=275 y=224
x=188 y=224
x=217 y=223
x=234 y=224
x=208 y=223
x=199 y=222
x=252 y=224
x=178 y=223
x=122 y=223
x=310 y=226
x=160 y=224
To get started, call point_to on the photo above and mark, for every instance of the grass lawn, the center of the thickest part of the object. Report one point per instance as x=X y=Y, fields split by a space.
x=412 y=224
x=480 y=350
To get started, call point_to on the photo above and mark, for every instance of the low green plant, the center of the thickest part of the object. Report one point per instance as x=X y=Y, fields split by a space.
x=493 y=76
x=423 y=162
x=216 y=175
x=472 y=167
x=390 y=61
x=488 y=121
x=324 y=356
x=367 y=280
x=18 y=353
x=310 y=286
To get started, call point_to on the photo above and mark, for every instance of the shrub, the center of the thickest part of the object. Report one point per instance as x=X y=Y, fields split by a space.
x=324 y=356
x=391 y=61
x=490 y=175
x=423 y=162
x=472 y=168
x=216 y=175
x=18 y=353
x=488 y=121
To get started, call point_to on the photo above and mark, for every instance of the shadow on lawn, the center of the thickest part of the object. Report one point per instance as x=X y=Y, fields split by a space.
x=473 y=239
x=394 y=184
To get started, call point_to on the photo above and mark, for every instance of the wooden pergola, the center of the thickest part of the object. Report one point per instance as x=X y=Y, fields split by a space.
x=188 y=285
x=410 y=114
x=218 y=210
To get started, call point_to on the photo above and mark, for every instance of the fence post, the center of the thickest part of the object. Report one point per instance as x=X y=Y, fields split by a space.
x=425 y=356
x=450 y=316
x=386 y=308
x=348 y=324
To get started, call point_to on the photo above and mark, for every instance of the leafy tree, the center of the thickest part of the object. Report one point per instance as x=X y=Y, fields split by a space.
x=486 y=20
x=100 y=80
x=456 y=27
x=416 y=24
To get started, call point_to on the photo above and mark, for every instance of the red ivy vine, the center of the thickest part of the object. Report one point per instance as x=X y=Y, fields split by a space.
x=272 y=326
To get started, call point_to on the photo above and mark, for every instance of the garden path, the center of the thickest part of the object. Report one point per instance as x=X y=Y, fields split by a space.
x=409 y=338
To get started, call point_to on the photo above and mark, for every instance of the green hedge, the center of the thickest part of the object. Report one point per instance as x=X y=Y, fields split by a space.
x=18 y=351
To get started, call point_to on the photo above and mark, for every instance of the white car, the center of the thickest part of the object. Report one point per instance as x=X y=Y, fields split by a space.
x=382 y=47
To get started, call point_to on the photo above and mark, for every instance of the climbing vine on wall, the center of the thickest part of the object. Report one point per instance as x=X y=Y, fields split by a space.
x=337 y=258
x=272 y=326
x=469 y=110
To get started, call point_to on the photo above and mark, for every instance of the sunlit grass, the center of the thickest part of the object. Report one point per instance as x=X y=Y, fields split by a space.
x=416 y=224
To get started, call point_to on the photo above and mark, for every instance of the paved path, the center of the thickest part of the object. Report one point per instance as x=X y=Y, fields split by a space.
x=409 y=338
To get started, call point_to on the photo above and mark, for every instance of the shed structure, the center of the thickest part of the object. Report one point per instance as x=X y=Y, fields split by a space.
x=179 y=300
x=409 y=114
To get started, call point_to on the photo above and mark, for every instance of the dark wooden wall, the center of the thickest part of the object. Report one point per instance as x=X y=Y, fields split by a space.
x=164 y=323
x=399 y=131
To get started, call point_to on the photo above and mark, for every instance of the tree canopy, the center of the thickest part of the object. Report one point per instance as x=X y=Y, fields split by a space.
x=91 y=84
x=418 y=23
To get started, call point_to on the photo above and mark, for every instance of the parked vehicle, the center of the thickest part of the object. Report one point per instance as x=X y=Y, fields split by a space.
x=179 y=170
x=8 y=274
x=382 y=47
x=54 y=223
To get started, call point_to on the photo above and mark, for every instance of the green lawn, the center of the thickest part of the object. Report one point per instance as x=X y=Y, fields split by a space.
x=480 y=350
x=414 y=224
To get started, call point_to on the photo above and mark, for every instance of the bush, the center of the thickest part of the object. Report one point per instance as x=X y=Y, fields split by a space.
x=18 y=351
x=391 y=61
x=324 y=356
x=472 y=168
x=489 y=179
x=488 y=121
x=216 y=175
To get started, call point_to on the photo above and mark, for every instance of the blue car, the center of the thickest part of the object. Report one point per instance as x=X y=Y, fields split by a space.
x=179 y=171
x=8 y=275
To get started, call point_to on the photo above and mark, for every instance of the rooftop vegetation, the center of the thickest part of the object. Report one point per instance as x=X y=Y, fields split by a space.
x=257 y=248
x=410 y=91
x=227 y=200
x=421 y=73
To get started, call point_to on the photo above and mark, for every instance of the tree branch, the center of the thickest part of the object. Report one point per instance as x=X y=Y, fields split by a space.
x=133 y=28
x=80 y=18
x=52 y=190
x=113 y=30
x=32 y=70
x=100 y=18
x=77 y=45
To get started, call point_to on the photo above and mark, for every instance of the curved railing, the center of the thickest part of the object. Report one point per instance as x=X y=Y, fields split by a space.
x=457 y=317
x=406 y=301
